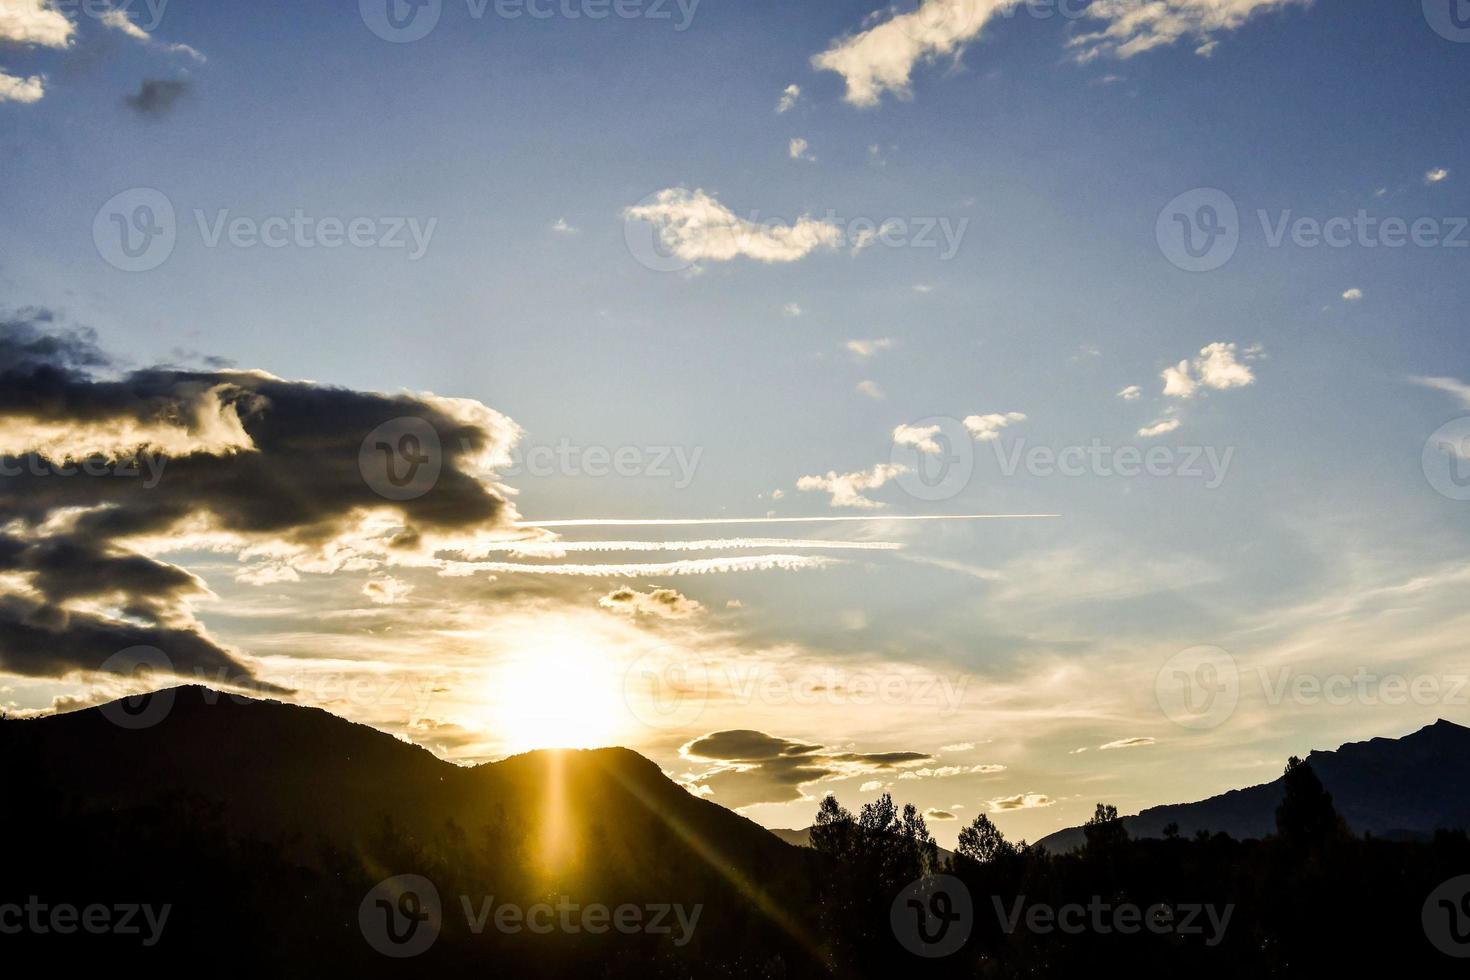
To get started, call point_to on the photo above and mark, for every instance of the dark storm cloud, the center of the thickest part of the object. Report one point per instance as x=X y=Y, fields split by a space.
x=156 y=97
x=237 y=452
x=754 y=767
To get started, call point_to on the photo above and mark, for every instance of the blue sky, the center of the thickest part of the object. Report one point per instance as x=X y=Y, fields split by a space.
x=525 y=142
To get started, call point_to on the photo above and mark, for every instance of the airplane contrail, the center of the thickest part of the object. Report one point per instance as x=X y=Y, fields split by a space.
x=692 y=521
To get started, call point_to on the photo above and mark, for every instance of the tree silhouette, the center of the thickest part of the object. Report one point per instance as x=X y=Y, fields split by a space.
x=1306 y=816
x=982 y=841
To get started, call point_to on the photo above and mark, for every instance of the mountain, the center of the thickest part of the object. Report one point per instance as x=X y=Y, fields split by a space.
x=234 y=808
x=1407 y=787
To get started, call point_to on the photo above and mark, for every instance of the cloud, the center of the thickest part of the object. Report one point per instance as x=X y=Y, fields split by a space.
x=1021 y=801
x=1160 y=428
x=946 y=772
x=1132 y=28
x=789 y=95
x=695 y=227
x=920 y=437
x=1450 y=386
x=1126 y=743
x=957 y=747
x=754 y=767
x=791 y=309
x=871 y=389
x=933 y=814
x=24 y=90
x=1353 y=295
x=658 y=603
x=847 y=488
x=561 y=227
x=156 y=97
x=34 y=22
x=103 y=466
x=559 y=549
x=867 y=348
x=1216 y=367
x=1131 y=393
x=986 y=428
x=118 y=20
x=700 y=566
x=1435 y=176
x=882 y=57
x=872 y=785
x=797 y=149
x=386 y=591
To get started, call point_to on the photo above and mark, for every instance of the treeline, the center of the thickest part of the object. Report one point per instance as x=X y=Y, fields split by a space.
x=1309 y=901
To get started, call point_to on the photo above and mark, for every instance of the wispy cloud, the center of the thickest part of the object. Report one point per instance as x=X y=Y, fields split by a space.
x=695 y=227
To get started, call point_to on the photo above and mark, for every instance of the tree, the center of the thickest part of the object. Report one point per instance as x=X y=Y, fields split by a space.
x=1306 y=815
x=832 y=832
x=982 y=841
x=1105 y=831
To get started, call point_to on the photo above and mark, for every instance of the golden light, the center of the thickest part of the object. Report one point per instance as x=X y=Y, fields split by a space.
x=561 y=693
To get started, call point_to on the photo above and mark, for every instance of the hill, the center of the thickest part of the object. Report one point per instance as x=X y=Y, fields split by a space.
x=1403 y=788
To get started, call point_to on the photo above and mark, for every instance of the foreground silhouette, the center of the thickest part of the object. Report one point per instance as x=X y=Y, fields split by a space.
x=284 y=839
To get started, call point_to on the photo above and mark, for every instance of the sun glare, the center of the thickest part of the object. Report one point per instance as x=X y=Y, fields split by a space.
x=563 y=694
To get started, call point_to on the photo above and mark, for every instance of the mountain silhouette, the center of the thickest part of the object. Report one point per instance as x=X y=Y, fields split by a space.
x=1405 y=788
x=264 y=791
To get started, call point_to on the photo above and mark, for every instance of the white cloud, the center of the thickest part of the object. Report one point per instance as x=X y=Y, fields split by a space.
x=791 y=309
x=847 y=488
x=1216 y=367
x=871 y=389
x=789 y=95
x=1159 y=428
x=986 y=428
x=34 y=22
x=882 y=57
x=958 y=746
x=1126 y=743
x=921 y=437
x=118 y=20
x=386 y=591
x=1436 y=175
x=1131 y=393
x=1353 y=295
x=1450 y=386
x=1177 y=381
x=1132 y=28
x=870 y=786
x=923 y=287
x=13 y=89
x=1021 y=801
x=561 y=227
x=659 y=603
x=797 y=148
x=695 y=227
x=867 y=348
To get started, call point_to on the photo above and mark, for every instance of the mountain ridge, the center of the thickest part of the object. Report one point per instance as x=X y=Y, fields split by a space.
x=1408 y=787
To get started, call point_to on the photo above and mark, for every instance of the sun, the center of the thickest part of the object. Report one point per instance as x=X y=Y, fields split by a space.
x=563 y=694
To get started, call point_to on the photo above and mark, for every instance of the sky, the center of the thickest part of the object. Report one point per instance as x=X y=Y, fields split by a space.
x=1162 y=307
